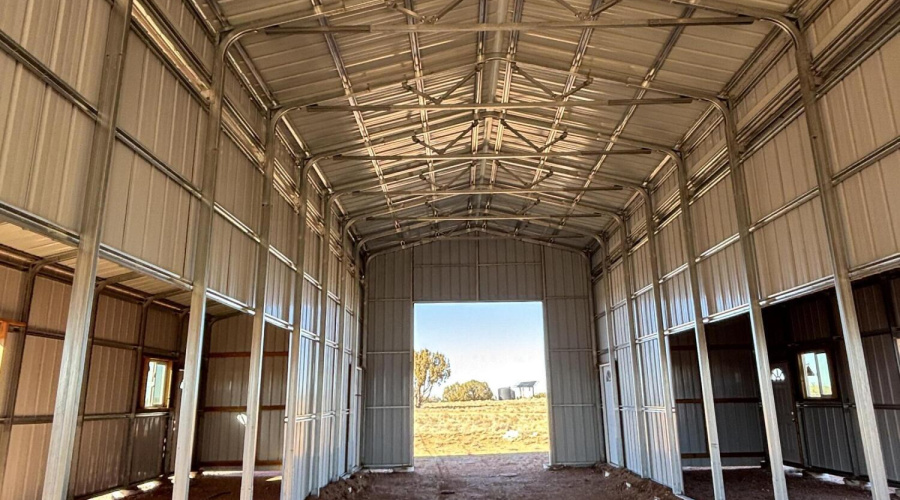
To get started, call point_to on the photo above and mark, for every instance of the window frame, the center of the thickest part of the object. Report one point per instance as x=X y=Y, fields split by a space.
x=831 y=375
x=167 y=388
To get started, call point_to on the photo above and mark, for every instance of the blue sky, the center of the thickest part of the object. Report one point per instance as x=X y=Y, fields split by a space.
x=501 y=343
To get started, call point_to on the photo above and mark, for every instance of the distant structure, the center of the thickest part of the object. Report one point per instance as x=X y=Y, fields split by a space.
x=506 y=393
x=526 y=386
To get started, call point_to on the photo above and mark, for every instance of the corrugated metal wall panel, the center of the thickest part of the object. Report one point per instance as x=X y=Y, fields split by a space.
x=109 y=381
x=871 y=213
x=566 y=274
x=723 y=281
x=860 y=113
x=884 y=374
x=278 y=289
x=221 y=437
x=239 y=184
x=24 y=477
x=46 y=146
x=189 y=27
x=714 y=216
x=445 y=283
x=148 y=436
x=147 y=213
x=630 y=430
x=660 y=449
x=117 y=320
x=69 y=37
x=160 y=112
x=12 y=283
x=670 y=242
x=509 y=281
x=792 y=250
x=239 y=97
x=98 y=468
x=163 y=327
x=281 y=227
x=232 y=269
x=677 y=301
x=271 y=436
x=652 y=372
x=646 y=314
x=780 y=171
x=832 y=453
x=39 y=376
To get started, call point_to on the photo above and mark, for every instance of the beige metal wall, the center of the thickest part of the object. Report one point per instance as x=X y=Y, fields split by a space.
x=479 y=270
x=102 y=449
x=788 y=232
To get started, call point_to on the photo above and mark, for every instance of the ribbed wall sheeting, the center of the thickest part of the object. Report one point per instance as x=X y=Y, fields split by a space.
x=11 y=288
x=100 y=456
x=225 y=389
x=480 y=270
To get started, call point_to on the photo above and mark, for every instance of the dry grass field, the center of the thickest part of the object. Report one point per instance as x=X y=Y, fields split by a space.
x=482 y=427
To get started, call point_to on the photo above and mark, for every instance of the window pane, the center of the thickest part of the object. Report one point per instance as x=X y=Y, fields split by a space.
x=157 y=378
x=810 y=375
x=824 y=374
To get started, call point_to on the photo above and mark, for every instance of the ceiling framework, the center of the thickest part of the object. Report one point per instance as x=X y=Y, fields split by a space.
x=438 y=117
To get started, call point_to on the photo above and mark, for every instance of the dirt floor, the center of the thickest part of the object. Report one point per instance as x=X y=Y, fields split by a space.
x=756 y=484
x=519 y=477
x=482 y=427
x=499 y=477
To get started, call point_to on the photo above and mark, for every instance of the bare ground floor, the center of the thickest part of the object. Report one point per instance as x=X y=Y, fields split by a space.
x=521 y=477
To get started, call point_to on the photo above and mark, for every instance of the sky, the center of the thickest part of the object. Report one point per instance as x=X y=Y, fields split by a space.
x=501 y=343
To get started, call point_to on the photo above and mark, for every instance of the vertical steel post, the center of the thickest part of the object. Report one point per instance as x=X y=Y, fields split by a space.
x=338 y=434
x=258 y=334
x=840 y=262
x=637 y=372
x=187 y=414
x=665 y=369
x=751 y=265
x=706 y=388
x=290 y=448
x=317 y=443
x=72 y=368
x=610 y=344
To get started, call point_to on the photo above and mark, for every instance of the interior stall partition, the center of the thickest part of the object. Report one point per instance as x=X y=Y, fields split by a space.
x=816 y=411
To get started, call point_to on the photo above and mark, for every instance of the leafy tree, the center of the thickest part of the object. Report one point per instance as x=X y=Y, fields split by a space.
x=431 y=369
x=473 y=390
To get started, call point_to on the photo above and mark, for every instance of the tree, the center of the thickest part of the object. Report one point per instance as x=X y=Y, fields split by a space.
x=473 y=390
x=431 y=369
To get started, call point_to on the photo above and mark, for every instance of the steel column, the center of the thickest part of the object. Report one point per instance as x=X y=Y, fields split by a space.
x=706 y=388
x=665 y=365
x=258 y=334
x=751 y=265
x=317 y=443
x=81 y=304
x=637 y=372
x=338 y=436
x=610 y=345
x=840 y=262
x=290 y=449
x=187 y=414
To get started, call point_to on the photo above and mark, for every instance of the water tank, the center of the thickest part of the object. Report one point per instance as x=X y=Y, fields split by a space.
x=505 y=393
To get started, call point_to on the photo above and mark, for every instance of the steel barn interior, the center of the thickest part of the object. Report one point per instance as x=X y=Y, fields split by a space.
x=217 y=215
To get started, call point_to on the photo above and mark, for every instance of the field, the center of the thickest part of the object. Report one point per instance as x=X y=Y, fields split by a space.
x=482 y=427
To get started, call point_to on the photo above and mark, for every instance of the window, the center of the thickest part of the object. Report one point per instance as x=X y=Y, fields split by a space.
x=4 y=327
x=157 y=378
x=777 y=375
x=815 y=369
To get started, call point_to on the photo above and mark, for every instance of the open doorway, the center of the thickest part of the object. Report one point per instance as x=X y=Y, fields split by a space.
x=480 y=383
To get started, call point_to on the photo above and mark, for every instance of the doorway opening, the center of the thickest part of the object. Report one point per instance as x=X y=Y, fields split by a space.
x=479 y=381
